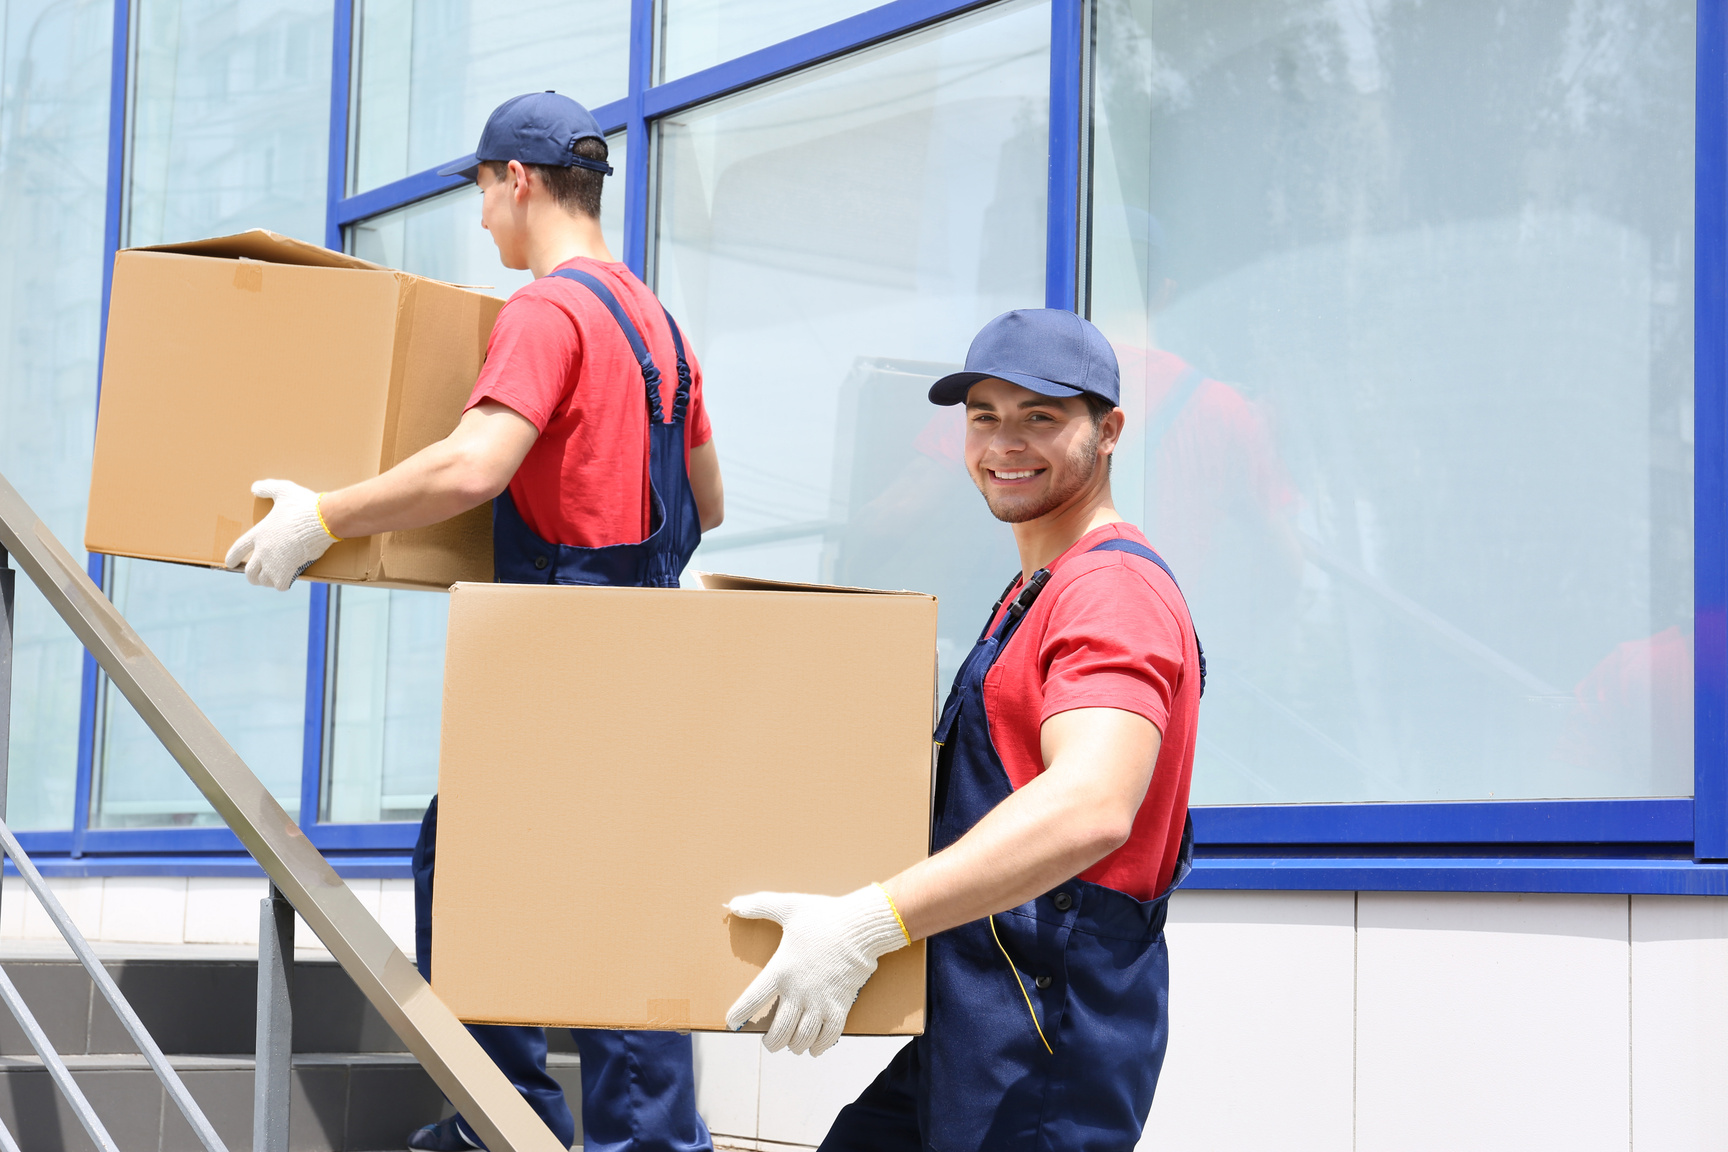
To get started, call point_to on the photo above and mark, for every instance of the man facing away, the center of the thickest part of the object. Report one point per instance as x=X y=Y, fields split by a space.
x=1061 y=804
x=588 y=431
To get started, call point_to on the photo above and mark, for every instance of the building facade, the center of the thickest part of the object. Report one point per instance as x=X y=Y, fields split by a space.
x=1421 y=315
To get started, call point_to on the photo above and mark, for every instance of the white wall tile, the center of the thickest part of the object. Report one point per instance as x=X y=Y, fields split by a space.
x=367 y=891
x=728 y=1080
x=144 y=909
x=1679 y=1023
x=801 y=1095
x=224 y=909
x=396 y=912
x=1261 y=1023
x=1490 y=1022
x=82 y=898
x=13 y=898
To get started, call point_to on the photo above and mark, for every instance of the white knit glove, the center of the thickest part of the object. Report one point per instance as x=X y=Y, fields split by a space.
x=828 y=949
x=284 y=543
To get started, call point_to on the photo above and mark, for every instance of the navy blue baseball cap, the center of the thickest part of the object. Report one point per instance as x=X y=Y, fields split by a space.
x=1049 y=350
x=539 y=128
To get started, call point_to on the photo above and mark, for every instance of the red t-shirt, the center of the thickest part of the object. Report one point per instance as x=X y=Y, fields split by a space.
x=1109 y=630
x=559 y=359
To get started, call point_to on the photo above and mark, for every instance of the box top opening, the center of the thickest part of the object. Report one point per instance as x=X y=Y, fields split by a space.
x=721 y=582
x=268 y=247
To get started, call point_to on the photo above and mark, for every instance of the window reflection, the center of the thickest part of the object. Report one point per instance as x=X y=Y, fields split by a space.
x=431 y=71
x=699 y=34
x=54 y=80
x=385 y=701
x=1403 y=294
x=230 y=110
x=230 y=119
x=831 y=243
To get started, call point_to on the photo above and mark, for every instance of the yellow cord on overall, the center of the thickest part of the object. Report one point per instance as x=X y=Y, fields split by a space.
x=1022 y=984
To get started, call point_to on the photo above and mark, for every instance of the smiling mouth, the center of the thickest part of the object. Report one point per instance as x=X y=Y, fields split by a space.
x=1010 y=477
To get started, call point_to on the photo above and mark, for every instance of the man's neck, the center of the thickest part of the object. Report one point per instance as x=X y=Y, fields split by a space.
x=558 y=237
x=1042 y=540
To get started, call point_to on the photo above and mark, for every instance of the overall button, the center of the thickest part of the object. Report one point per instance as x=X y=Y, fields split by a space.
x=1042 y=982
x=540 y=562
x=1063 y=901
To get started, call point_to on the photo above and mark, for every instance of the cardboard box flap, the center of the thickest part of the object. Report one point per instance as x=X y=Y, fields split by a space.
x=269 y=247
x=720 y=582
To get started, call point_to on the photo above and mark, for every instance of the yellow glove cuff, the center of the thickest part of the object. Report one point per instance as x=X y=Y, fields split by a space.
x=318 y=510
x=896 y=912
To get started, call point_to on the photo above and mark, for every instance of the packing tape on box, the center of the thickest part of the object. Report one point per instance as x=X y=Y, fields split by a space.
x=669 y=1015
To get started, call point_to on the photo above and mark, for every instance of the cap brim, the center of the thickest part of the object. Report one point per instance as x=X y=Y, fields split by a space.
x=467 y=167
x=952 y=389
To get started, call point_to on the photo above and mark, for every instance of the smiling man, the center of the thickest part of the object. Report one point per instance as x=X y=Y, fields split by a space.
x=1061 y=803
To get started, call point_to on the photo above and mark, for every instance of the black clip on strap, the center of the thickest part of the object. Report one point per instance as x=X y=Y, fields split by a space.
x=1029 y=593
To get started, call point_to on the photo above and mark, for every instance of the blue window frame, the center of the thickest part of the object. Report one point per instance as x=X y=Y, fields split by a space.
x=1630 y=845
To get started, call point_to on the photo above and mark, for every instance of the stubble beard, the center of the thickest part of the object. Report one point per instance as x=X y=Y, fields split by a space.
x=1082 y=467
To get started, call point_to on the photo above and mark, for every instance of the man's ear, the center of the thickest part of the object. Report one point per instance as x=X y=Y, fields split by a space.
x=518 y=181
x=1110 y=431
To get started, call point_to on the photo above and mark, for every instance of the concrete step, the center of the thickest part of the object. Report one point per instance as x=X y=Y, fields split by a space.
x=342 y=1101
x=356 y=1088
x=196 y=1007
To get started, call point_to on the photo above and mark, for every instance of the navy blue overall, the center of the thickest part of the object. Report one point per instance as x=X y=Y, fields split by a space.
x=1091 y=959
x=638 y=1088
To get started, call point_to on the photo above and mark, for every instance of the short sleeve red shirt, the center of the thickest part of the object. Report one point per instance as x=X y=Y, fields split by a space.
x=559 y=359
x=1110 y=630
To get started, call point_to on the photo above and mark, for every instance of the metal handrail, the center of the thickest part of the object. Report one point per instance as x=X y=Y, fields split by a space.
x=116 y=1000
x=450 y=1055
x=56 y=1067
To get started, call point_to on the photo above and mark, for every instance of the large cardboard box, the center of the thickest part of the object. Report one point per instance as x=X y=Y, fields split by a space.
x=617 y=763
x=257 y=355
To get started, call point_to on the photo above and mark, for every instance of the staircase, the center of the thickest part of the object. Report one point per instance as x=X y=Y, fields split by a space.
x=355 y=1087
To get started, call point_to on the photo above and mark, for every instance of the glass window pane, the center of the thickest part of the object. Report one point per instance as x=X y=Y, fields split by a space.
x=240 y=652
x=1403 y=295
x=699 y=34
x=431 y=71
x=442 y=237
x=830 y=243
x=230 y=119
x=231 y=113
x=385 y=694
x=54 y=78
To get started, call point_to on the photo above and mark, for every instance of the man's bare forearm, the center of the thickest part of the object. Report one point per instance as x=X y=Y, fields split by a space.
x=462 y=471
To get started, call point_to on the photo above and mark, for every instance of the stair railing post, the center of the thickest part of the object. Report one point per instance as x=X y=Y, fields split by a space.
x=273 y=1076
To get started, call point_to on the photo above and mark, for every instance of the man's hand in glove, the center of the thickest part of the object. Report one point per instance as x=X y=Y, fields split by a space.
x=828 y=948
x=282 y=545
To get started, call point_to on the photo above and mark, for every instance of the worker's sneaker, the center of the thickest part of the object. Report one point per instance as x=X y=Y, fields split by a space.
x=444 y=1136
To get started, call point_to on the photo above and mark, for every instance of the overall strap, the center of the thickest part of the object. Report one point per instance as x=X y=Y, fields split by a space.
x=650 y=374
x=1145 y=553
x=1016 y=610
x=681 y=398
x=1139 y=550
